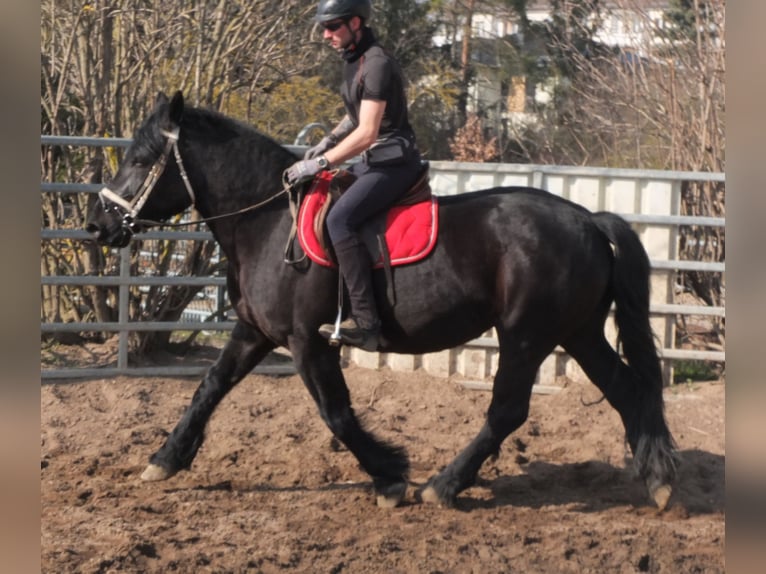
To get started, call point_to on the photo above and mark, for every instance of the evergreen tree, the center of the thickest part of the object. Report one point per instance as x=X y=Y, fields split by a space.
x=687 y=18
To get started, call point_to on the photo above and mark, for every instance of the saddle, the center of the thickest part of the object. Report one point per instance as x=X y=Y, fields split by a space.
x=403 y=234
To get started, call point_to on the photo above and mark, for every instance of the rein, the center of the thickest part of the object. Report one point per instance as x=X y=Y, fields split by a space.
x=215 y=217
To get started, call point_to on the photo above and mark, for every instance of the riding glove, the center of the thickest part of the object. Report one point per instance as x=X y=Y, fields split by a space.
x=301 y=170
x=324 y=144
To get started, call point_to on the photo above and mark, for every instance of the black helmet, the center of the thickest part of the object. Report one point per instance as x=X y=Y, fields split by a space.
x=335 y=9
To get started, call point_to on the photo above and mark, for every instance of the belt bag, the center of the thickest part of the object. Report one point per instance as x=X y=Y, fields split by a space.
x=391 y=151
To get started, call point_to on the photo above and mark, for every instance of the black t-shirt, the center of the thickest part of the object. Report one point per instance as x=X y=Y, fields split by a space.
x=375 y=75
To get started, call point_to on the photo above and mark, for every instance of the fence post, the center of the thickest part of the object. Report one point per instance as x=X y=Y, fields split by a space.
x=123 y=315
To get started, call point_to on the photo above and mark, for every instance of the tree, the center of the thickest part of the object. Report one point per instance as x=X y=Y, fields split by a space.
x=482 y=60
x=646 y=104
x=289 y=106
x=102 y=64
x=657 y=103
x=695 y=96
x=472 y=144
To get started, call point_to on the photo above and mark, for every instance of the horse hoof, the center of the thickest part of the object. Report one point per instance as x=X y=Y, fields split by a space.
x=429 y=494
x=393 y=497
x=153 y=473
x=391 y=501
x=661 y=495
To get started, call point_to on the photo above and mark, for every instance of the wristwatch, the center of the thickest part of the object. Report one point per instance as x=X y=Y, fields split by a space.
x=322 y=162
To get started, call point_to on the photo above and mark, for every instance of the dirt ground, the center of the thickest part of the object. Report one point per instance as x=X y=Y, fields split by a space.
x=270 y=492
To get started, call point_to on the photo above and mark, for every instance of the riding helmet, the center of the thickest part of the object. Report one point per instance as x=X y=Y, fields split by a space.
x=335 y=9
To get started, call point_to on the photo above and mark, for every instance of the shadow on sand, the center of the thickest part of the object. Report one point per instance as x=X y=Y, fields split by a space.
x=594 y=486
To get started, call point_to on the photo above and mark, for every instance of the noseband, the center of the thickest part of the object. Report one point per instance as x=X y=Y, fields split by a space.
x=111 y=201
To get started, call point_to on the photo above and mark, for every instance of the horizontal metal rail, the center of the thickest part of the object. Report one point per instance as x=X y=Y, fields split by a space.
x=176 y=371
x=85 y=141
x=674 y=220
x=701 y=310
x=83 y=235
x=135 y=326
x=669 y=309
x=582 y=171
x=116 y=281
x=677 y=354
x=106 y=281
x=672 y=264
x=681 y=265
x=47 y=187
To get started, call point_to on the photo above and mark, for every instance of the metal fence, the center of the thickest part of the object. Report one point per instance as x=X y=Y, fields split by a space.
x=649 y=199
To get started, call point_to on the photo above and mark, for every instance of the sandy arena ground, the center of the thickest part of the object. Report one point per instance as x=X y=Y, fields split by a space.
x=271 y=492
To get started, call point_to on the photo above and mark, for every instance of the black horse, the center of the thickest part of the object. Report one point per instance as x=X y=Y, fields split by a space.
x=539 y=269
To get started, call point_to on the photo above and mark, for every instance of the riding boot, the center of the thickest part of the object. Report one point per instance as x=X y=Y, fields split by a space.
x=362 y=328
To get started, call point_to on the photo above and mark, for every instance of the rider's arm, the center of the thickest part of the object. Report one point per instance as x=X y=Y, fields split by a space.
x=344 y=127
x=361 y=138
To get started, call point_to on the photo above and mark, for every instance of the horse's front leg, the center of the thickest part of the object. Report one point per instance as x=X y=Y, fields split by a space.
x=246 y=348
x=319 y=367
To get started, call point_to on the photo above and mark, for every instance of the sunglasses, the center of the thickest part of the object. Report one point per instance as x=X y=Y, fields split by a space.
x=333 y=26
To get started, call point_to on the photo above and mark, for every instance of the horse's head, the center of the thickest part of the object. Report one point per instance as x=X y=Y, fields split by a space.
x=150 y=184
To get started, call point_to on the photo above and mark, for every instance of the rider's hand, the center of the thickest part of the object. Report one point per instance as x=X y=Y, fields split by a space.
x=324 y=144
x=303 y=169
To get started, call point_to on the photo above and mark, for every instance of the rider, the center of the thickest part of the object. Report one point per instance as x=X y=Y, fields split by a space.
x=376 y=126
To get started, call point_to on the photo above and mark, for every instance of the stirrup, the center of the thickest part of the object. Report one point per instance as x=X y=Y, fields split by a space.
x=351 y=334
x=335 y=338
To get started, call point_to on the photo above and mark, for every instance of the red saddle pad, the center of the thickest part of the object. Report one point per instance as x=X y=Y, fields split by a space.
x=410 y=229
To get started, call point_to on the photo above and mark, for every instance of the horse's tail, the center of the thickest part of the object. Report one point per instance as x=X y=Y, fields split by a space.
x=652 y=444
x=630 y=282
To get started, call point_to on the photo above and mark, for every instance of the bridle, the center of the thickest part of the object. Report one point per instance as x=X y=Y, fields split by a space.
x=111 y=201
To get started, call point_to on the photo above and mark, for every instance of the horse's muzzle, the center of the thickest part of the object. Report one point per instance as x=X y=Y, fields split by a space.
x=119 y=237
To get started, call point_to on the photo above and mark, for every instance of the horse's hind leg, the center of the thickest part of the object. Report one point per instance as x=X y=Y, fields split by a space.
x=640 y=406
x=319 y=366
x=508 y=410
x=246 y=348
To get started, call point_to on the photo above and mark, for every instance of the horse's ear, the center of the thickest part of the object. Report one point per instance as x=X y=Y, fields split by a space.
x=177 y=107
x=161 y=99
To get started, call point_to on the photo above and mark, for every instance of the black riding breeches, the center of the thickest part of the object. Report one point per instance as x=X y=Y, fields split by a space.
x=375 y=189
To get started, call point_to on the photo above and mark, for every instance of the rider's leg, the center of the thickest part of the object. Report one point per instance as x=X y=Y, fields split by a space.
x=374 y=190
x=362 y=328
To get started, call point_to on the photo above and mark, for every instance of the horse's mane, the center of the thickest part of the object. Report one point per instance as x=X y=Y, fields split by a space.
x=215 y=124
